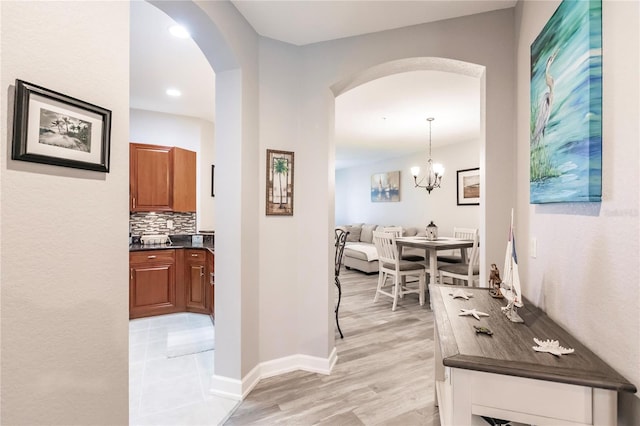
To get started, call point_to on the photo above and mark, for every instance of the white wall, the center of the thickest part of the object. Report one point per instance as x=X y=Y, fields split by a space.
x=194 y=134
x=416 y=207
x=64 y=249
x=586 y=274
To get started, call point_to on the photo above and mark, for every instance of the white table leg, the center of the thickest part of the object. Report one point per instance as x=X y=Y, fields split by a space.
x=433 y=265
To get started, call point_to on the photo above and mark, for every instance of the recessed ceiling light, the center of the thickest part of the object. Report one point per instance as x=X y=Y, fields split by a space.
x=174 y=92
x=179 y=31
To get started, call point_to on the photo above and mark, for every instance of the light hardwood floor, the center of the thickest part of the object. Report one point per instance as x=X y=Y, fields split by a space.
x=384 y=373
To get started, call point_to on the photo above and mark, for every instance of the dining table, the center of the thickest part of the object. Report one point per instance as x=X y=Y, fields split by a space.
x=431 y=248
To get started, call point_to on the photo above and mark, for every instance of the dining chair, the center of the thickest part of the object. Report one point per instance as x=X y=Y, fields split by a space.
x=390 y=264
x=340 y=241
x=398 y=232
x=469 y=271
x=463 y=234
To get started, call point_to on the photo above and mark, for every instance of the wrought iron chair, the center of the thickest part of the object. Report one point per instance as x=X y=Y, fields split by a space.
x=340 y=240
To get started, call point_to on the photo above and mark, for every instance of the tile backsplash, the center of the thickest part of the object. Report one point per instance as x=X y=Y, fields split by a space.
x=156 y=223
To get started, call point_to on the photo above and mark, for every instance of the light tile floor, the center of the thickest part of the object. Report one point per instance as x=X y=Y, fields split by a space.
x=171 y=391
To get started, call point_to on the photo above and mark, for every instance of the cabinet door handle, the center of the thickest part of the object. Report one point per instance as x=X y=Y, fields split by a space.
x=194 y=255
x=134 y=202
x=202 y=271
x=131 y=269
x=212 y=278
x=151 y=257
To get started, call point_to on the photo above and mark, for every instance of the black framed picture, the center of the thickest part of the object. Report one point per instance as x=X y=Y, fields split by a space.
x=468 y=187
x=52 y=128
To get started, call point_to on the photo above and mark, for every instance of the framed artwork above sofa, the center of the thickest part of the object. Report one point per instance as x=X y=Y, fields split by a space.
x=385 y=187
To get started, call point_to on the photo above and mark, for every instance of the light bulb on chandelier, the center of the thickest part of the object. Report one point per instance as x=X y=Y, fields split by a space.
x=434 y=171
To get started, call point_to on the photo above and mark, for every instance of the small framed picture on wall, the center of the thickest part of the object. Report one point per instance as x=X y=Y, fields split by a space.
x=279 y=188
x=468 y=187
x=57 y=129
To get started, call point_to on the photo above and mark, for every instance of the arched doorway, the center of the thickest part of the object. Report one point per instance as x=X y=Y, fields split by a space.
x=469 y=70
x=235 y=153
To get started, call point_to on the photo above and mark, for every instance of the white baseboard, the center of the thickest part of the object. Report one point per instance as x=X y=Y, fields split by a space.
x=225 y=387
x=298 y=362
x=239 y=389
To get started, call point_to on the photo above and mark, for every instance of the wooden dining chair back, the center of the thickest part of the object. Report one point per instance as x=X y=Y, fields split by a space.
x=413 y=255
x=390 y=265
x=463 y=234
x=396 y=230
x=468 y=272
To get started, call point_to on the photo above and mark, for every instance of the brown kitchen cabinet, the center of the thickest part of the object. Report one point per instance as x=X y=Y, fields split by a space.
x=152 y=283
x=161 y=178
x=196 y=282
x=170 y=281
x=211 y=280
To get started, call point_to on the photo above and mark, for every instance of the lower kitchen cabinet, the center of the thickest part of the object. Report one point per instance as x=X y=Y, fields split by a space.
x=195 y=281
x=152 y=283
x=169 y=281
x=212 y=283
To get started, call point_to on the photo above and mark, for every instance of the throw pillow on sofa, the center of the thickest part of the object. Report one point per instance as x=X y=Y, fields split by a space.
x=409 y=232
x=354 y=233
x=367 y=233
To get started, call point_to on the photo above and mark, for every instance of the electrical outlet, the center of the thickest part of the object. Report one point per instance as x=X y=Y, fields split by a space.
x=170 y=224
x=534 y=247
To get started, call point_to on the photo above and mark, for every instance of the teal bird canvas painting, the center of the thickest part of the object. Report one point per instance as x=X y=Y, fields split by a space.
x=566 y=106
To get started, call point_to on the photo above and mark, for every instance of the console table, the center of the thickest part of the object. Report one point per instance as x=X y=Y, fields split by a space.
x=501 y=376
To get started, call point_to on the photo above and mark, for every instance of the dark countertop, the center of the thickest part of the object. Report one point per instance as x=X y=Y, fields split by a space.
x=180 y=245
x=178 y=242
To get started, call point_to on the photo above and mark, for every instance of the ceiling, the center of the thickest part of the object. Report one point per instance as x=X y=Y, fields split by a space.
x=373 y=121
x=159 y=61
x=387 y=117
x=305 y=22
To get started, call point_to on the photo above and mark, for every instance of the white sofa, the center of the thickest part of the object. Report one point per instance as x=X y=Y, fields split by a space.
x=360 y=253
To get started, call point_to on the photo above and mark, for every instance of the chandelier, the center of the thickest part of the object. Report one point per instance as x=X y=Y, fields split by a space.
x=434 y=171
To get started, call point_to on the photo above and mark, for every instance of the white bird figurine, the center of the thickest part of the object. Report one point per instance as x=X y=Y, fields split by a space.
x=551 y=346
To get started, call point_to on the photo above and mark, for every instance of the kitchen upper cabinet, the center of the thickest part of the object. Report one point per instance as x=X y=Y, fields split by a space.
x=184 y=180
x=161 y=178
x=152 y=283
x=150 y=176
